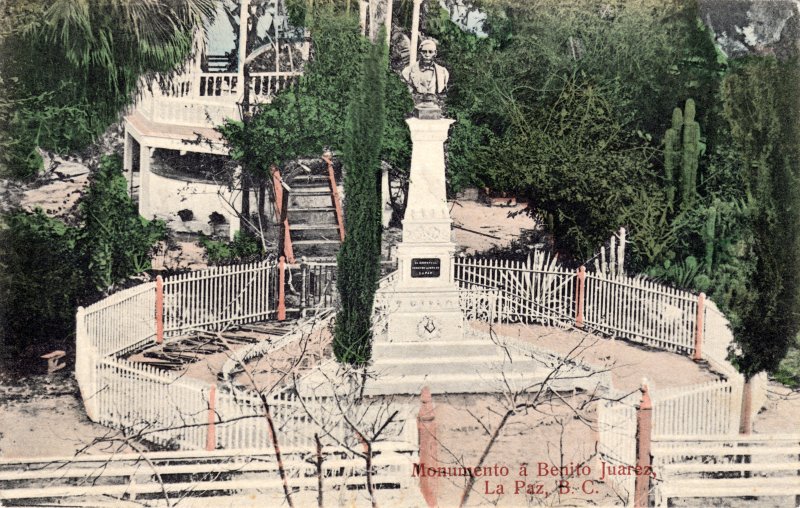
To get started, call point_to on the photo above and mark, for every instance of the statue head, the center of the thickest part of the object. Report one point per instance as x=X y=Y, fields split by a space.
x=427 y=51
x=426 y=78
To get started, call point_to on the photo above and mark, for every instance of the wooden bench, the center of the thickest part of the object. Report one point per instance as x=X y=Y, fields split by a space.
x=53 y=361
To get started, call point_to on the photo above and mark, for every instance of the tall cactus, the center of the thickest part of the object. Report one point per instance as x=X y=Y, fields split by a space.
x=682 y=149
x=672 y=153
x=691 y=153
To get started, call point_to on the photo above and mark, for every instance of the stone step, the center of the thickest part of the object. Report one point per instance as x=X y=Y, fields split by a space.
x=484 y=382
x=434 y=349
x=312 y=179
x=302 y=232
x=316 y=248
x=312 y=215
x=453 y=366
x=310 y=199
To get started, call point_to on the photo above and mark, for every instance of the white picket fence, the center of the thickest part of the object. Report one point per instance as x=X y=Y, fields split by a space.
x=616 y=444
x=516 y=291
x=542 y=291
x=151 y=404
x=120 y=322
x=220 y=297
x=642 y=311
x=699 y=410
x=175 y=410
x=160 y=406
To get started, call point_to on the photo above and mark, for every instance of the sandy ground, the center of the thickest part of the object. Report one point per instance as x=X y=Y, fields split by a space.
x=478 y=227
x=629 y=363
x=56 y=191
x=44 y=417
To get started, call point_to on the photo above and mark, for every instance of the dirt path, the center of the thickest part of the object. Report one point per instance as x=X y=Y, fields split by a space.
x=43 y=416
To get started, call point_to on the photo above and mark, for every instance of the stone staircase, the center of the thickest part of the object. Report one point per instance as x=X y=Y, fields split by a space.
x=313 y=224
x=472 y=364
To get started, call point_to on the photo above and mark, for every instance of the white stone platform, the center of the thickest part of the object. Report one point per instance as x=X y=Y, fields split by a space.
x=474 y=363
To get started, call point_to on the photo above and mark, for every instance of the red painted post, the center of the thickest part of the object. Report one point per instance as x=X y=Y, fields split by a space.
x=337 y=202
x=428 y=446
x=644 y=428
x=745 y=423
x=698 y=332
x=579 y=296
x=211 y=435
x=282 y=289
x=159 y=310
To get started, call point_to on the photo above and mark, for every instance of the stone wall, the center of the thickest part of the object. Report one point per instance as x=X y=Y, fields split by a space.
x=743 y=27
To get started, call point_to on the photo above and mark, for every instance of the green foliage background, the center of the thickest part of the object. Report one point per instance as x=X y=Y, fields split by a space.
x=48 y=268
x=303 y=120
x=569 y=104
x=68 y=68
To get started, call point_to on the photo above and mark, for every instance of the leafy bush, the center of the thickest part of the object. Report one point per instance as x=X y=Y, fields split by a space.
x=116 y=241
x=50 y=268
x=41 y=282
x=243 y=247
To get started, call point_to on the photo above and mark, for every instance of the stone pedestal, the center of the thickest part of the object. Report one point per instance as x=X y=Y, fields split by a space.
x=424 y=298
x=425 y=342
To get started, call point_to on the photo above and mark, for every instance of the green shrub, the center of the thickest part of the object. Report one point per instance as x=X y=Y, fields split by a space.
x=244 y=246
x=116 y=241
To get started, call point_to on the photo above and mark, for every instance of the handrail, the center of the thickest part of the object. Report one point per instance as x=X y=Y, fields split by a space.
x=337 y=202
x=282 y=213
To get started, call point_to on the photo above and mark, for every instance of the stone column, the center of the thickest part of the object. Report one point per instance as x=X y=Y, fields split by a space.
x=145 y=158
x=127 y=161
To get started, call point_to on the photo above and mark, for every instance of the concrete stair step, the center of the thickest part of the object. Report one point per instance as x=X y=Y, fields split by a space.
x=433 y=349
x=310 y=227
x=316 y=190
x=316 y=248
x=312 y=215
x=314 y=232
x=311 y=179
x=483 y=382
x=467 y=366
x=312 y=199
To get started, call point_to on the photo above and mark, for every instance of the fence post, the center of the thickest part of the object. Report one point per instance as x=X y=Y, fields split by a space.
x=159 y=310
x=644 y=429
x=745 y=423
x=621 y=253
x=698 y=332
x=211 y=435
x=282 y=289
x=303 y=282
x=580 y=296
x=428 y=446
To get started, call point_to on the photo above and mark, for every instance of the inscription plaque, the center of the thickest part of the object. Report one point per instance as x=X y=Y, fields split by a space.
x=425 y=267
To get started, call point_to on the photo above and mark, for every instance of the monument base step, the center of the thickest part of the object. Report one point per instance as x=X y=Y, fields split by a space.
x=430 y=350
x=452 y=366
x=478 y=382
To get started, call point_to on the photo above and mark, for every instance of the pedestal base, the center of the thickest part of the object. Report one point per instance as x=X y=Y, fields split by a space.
x=424 y=315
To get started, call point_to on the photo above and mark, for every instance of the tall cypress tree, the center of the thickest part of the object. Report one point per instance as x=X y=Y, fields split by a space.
x=762 y=108
x=359 y=257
